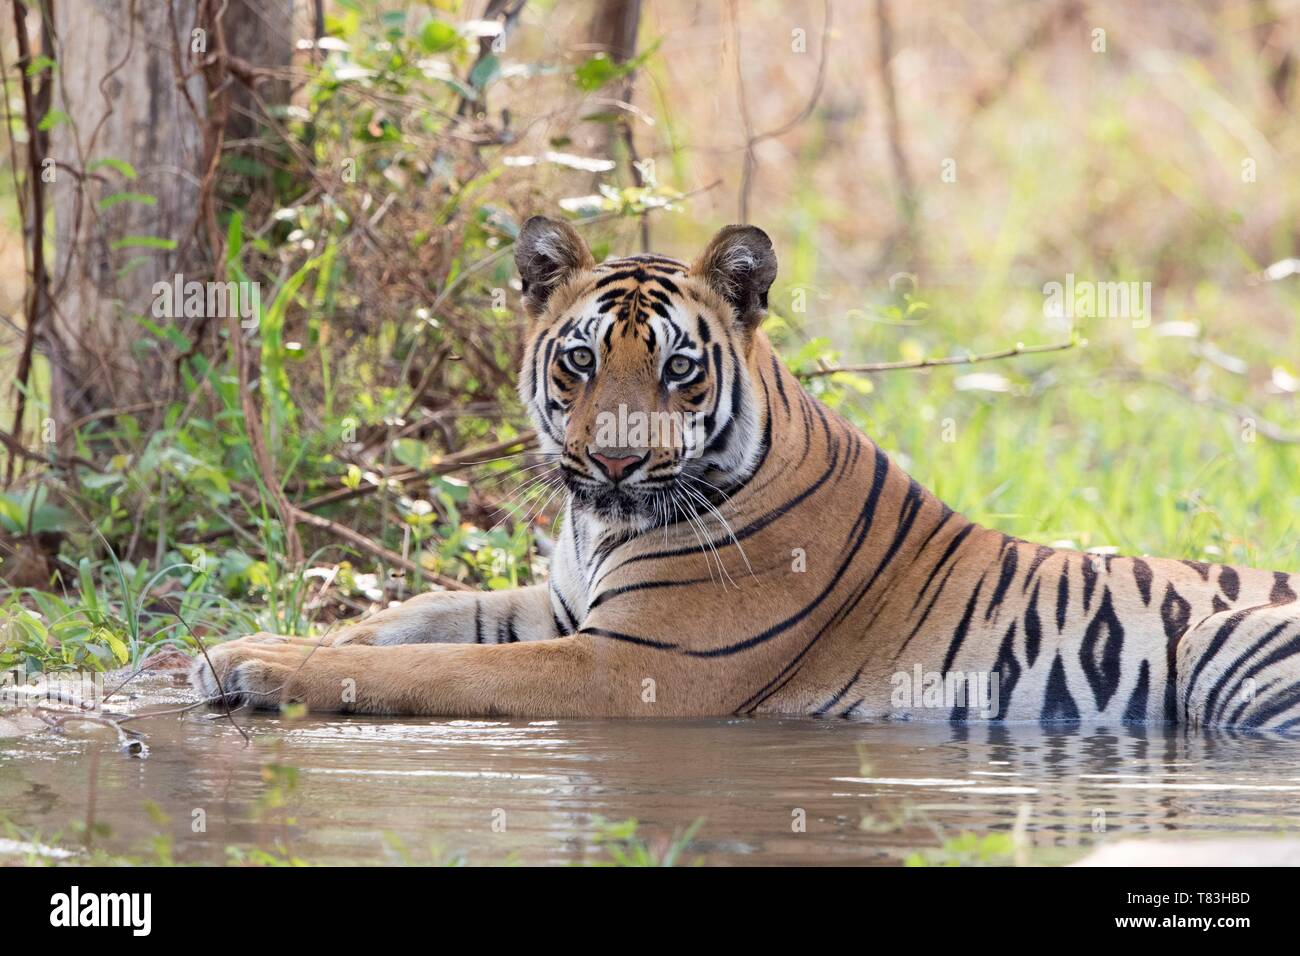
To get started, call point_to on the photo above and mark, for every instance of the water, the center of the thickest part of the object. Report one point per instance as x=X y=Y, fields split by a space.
x=365 y=790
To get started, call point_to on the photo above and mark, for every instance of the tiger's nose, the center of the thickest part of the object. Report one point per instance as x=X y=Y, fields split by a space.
x=616 y=467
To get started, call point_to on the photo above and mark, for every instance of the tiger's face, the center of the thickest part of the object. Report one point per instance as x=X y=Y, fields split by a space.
x=636 y=370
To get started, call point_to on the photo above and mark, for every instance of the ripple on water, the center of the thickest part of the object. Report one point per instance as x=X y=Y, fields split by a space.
x=533 y=790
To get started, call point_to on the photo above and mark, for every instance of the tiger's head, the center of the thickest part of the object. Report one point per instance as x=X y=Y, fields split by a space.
x=636 y=371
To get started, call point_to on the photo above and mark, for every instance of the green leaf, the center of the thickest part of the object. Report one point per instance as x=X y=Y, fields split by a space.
x=52 y=119
x=89 y=596
x=40 y=65
x=143 y=242
x=12 y=517
x=96 y=481
x=410 y=452
x=596 y=72
x=600 y=69
x=48 y=518
x=115 y=644
x=175 y=336
x=108 y=202
x=121 y=165
x=485 y=71
x=437 y=36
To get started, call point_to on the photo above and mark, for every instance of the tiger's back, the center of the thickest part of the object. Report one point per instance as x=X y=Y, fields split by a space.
x=847 y=580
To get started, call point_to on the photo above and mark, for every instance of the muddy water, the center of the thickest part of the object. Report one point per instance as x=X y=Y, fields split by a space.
x=420 y=790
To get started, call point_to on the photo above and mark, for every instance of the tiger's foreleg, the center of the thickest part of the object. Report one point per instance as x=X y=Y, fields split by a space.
x=458 y=617
x=566 y=677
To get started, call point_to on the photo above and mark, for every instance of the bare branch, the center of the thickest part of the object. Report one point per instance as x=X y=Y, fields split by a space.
x=752 y=139
x=971 y=359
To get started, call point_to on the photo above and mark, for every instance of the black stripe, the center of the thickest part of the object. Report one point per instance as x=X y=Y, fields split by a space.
x=1100 y=652
x=1142 y=575
x=1174 y=615
x=959 y=635
x=1216 y=643
x=1279 y=705
x=1009 y=560
x=1089 y=581
x=861 y=527
x=1289 y=649
x=628 y=638
x=573 y=621
x=953 y=545
x=1135 y=711
x=821 y=711
x=1008 y=670
x=1222 y=683
x=604 y=596
x=1229 y=582
x=1033 y=628
x=1063 y=596
x=1057 y=702
x=780 y=385
x=1041 y=554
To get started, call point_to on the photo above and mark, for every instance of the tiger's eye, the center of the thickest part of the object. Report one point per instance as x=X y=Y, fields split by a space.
x=581 y=357
x=679 y=366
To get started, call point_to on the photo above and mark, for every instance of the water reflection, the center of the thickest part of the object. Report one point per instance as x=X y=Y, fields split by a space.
x=769 y=790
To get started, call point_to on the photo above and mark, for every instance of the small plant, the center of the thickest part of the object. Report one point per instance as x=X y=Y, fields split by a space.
x=968 y=849
x=623 y=846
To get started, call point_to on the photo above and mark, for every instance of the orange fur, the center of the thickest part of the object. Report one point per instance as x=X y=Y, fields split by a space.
x=817 y=581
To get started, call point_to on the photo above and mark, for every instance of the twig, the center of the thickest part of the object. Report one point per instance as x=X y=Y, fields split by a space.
x=206 y=701
x=16 y=448
x=130 y=740
x=38 y=293
x=445 y=466
x=752 y=139
x=903 y=177
x=229 y=715
x=1244 y=412
x=1018 y=349
x=362 y=543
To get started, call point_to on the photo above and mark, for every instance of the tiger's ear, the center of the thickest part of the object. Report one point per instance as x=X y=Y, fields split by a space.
x=740 y=265
x=547 y=253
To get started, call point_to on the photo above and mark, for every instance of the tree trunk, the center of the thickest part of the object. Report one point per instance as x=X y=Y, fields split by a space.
x=119 y=64
x=614 y=30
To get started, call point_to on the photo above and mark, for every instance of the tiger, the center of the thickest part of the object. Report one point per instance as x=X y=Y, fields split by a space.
x=771 y=559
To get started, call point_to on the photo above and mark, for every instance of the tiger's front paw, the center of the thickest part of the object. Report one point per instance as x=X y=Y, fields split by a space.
x=252 y=671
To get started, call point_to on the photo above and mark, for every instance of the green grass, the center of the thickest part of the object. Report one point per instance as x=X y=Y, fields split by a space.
x=1075 y=453
x=1123 y=171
